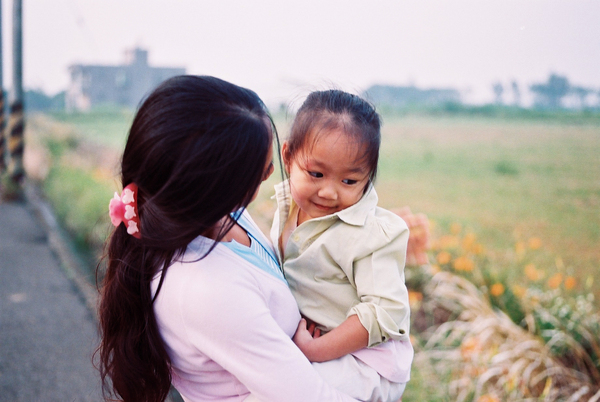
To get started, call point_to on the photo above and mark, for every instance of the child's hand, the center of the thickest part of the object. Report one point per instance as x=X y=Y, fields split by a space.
x=418 y=242
x=305 y=337
x=312 y=328
x=348 y=337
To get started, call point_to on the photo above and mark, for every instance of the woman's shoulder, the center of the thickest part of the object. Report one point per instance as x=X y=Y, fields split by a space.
x=204 y=258
x=221 y=271
x=219 y=285
x=194 y=284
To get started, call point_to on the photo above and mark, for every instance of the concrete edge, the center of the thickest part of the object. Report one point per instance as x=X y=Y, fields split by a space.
x=71 y=264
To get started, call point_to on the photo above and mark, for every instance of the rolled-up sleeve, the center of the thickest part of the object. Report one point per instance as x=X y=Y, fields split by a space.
x=379 y=280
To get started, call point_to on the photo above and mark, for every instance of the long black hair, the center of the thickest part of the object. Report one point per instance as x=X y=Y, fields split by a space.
x=196 y=150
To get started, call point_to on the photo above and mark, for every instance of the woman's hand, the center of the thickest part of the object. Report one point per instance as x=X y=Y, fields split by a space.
x=418 y=241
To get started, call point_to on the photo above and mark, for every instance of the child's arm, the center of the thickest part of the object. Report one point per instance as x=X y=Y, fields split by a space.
x=348 y=337
x=378 y=278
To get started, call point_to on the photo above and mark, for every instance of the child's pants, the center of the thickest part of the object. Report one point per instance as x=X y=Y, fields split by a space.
x=354 y=378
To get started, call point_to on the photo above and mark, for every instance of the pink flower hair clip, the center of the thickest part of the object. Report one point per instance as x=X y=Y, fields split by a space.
x=124 y=209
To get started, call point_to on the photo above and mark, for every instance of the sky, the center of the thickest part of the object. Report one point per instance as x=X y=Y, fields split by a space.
x=283 y=49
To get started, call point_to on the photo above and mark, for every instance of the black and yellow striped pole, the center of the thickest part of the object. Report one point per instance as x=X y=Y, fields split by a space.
x=15 y=170
x=2 y=121
x=16 y=145
x=2 y=127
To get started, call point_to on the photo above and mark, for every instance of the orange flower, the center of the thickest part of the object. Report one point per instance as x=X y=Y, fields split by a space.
x=532 y=273
x=447 y=242
x=469 y=347
x=478 y=249
x=455 y=228
x=520 y=248
x=535 y=243
x=468 y=242
x=519 y=291
x=555 y=280
x=464 y=264
x=497 y=289
x=570 y=282
x=413 y=340
x=444 y=257
x=488 y=398
x=414 y=297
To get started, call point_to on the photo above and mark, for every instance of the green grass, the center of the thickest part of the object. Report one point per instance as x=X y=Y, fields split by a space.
x=103 y=127
x=504 y=180
x=80 y=211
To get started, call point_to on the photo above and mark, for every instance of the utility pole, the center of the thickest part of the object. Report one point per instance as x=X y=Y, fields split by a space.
x=16 y=172
x=2 y=121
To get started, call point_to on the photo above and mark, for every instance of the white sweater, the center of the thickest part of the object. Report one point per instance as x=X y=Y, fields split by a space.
x=227 y=326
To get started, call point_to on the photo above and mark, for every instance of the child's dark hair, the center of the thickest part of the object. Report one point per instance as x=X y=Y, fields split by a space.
x=196 y=149
x=334 y=109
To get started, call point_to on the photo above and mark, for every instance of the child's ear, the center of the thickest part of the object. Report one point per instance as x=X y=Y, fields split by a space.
x=285 y=156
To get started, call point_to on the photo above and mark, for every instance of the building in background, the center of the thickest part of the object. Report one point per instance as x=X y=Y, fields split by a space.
x=124 y=85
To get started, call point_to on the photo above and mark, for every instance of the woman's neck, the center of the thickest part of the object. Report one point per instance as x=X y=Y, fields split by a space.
x=236 y=232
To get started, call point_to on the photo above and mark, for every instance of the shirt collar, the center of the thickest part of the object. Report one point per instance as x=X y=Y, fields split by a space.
x=355 y=215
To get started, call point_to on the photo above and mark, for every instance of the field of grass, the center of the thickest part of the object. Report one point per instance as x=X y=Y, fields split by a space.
x=514 y=205
x=106 y=128
x=506 y=181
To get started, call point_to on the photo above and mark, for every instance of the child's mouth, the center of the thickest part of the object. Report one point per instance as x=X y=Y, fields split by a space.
x=323 y=207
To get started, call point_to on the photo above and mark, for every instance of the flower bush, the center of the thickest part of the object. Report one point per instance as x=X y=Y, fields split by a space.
x=493 y=335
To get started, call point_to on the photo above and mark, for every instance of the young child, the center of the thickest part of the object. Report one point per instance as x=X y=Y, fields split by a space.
x=342 y=255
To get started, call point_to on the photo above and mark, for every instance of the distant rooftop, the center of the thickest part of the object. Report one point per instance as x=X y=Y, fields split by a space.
x=124 y=85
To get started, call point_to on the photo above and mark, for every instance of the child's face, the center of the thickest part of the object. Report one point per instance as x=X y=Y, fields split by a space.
x=326 y=178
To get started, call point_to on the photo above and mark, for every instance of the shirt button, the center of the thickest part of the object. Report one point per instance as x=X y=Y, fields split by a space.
x=296 y=238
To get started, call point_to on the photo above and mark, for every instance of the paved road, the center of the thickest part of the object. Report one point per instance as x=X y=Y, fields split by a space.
x=47 y=331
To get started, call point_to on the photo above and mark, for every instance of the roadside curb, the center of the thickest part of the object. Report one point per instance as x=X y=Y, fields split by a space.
x=71 y=264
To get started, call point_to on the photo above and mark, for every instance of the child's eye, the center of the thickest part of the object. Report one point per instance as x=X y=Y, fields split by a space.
x=349 y=181
x=315 y=174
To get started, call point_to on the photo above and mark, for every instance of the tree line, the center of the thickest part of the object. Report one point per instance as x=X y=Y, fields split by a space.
x=556 y=93
x=552 y=94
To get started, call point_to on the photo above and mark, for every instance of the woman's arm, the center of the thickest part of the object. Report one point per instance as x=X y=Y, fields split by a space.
x=348 y=337
x=231 y=321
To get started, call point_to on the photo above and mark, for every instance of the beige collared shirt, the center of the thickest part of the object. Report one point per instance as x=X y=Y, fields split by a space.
x=350 y=262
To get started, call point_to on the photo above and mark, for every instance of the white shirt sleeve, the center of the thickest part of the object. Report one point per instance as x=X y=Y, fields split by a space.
x=231 y=322
x=379 y=279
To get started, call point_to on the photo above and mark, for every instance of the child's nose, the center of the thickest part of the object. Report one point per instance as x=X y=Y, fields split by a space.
x=328 y=192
